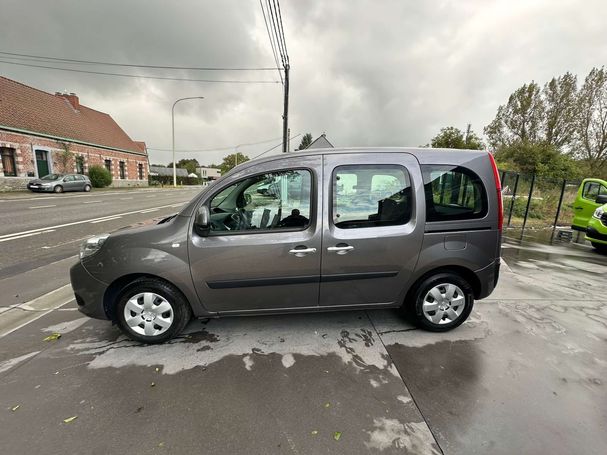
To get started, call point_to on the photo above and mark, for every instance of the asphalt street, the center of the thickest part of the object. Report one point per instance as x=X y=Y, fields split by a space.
x=40 y=234
x=525 y=374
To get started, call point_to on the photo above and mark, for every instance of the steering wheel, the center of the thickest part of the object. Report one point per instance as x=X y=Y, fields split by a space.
x=240 y=220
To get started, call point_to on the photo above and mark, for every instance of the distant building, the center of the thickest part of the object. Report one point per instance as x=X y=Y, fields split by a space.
x=37 y=128
x=167 y=171
x=321 y=142
x=208 y=173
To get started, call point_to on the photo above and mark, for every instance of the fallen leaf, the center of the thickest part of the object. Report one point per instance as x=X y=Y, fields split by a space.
x=70 y=419
x=161 y=444
x=53 y=337
x=157 y=369
x=327 y=405
x=314 y=432
x=153 y=384
x=337 y=435
x=14 y=408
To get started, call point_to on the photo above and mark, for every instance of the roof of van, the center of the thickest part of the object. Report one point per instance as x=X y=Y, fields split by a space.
x=423 y=154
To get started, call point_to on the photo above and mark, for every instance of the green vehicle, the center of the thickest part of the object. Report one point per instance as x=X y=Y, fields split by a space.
x=591 y=212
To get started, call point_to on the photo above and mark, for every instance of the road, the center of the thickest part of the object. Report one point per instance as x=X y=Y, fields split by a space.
x=525 y=374
x=40 y=234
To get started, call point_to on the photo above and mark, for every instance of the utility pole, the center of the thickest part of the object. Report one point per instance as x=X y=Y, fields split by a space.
x=285 y=115
x=288 y=140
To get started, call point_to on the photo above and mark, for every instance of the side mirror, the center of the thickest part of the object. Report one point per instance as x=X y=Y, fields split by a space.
x=202 y=223
x=601 y=199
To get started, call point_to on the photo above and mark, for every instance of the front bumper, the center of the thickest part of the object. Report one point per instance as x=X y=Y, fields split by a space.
x=49 y=189
x=89 y=292
x=488 y=278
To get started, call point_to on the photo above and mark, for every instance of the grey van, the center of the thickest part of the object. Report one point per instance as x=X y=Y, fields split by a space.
x=341 y=229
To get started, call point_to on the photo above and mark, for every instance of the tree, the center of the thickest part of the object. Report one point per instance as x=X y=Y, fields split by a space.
x=591 y=125
x=520 y=119
x=453 y=138
x=230 y=161
x=561 y=107
x=190 y=164
x=306 y=140
x=541 y=158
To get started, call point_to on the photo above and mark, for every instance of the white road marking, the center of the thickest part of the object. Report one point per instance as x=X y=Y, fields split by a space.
x=65 y=243
x=33 y=231
x=41 y=206
x=126 y=198
x=44 y=313
x=25 y=235
x=148 y=211
x=106 y=219
x=90 y=202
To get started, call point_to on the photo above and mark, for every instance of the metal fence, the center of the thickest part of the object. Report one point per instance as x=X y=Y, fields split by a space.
x=531 y=201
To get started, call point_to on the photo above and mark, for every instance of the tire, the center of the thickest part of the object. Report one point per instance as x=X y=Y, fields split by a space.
x=600 y=247
x=448 y=315
x=139 y=312
x=58 y=189
x=87 y=188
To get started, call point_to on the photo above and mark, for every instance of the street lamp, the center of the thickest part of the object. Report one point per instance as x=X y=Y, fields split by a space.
x=173 y=130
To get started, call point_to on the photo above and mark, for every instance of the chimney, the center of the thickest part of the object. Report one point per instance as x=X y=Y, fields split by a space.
x=72 y=98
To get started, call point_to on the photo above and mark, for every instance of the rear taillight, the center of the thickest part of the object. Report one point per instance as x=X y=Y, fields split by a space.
x=498 y=188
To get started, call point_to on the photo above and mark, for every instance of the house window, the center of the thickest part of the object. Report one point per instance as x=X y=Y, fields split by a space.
x=122 y=173
x=80 y=164
x=8 y=162
x=108 y=165
x=140 y=171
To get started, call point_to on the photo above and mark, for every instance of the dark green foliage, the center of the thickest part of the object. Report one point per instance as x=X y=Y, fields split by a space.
x=453 y=138
x=306 y=140
x=230 y=161
x=100 y=176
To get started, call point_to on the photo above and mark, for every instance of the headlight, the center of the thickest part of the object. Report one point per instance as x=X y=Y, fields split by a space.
x=598 y=213
x=92 y=245
x=45 y=184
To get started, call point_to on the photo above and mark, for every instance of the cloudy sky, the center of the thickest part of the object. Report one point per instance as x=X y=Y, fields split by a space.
x=383 y=73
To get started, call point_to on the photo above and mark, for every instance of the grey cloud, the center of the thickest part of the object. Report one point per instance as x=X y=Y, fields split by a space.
x=366 y=72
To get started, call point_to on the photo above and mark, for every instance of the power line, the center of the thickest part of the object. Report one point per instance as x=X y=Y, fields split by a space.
x=130 y=65
x=273 y=20
x=282 y=31
x=276 y=146
x=214 y=148
x=141 y=76
x=270 y=38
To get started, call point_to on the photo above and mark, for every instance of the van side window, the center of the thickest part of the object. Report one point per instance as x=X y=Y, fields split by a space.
x=271 y=201
x=453 y=193
x=371 y=195
x=592 y=190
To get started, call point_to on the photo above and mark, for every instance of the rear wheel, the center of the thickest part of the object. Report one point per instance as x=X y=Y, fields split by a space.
x=442 y=302
x=58 y=189
x=152 y=311
x=87 y=188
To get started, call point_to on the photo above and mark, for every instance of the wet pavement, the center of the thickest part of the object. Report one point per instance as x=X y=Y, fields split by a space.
x=526 y=374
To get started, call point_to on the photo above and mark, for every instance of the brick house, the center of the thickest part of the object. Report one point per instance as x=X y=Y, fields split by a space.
x=42 y=133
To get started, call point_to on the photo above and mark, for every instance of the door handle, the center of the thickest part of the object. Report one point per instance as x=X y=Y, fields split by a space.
x=301 y=252
x=342 y=249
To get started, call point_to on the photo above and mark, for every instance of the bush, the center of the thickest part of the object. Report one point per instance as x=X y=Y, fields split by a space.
x=100 y=176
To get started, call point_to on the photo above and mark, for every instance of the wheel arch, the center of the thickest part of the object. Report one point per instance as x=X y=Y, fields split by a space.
x=464 y=272
x=113 y=291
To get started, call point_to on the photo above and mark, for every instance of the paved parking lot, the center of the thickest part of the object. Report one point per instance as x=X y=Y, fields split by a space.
x=524 y=375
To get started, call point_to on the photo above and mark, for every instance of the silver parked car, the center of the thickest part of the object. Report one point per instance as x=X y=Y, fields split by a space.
x=418 y=229
x=58 y=183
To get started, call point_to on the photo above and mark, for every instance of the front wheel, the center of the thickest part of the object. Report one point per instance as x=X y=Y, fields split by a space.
x=87 y=188
x=442 y=302
x=600 y=247
x=152 y=311
x=58 y=189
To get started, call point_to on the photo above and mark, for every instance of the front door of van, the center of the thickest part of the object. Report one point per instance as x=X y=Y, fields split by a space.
x=264 y=248
x=371 y=227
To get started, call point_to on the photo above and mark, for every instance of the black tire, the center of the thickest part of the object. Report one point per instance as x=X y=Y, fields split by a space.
x=600 y=247
x=58 y=189
x=423 y=288
x=87 y=188
x=181 y=310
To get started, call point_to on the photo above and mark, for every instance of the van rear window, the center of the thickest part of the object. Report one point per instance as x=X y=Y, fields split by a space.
x=453 y=193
